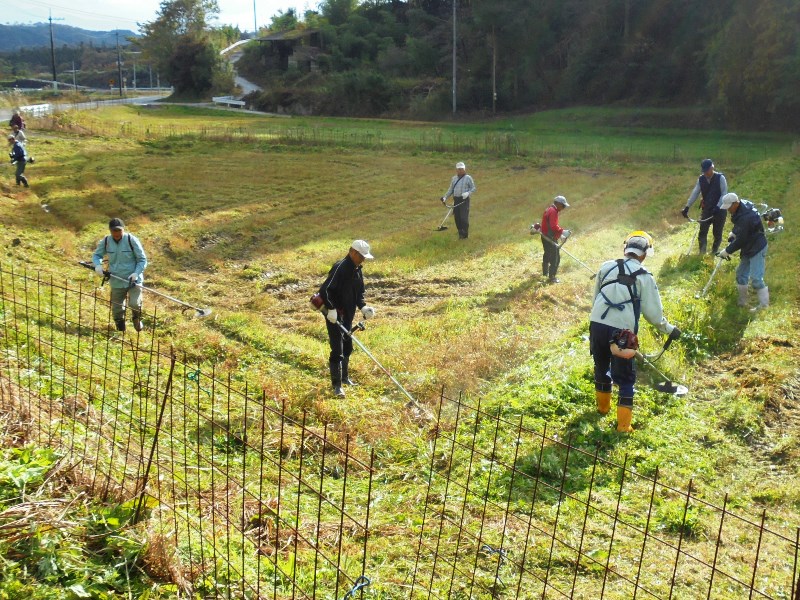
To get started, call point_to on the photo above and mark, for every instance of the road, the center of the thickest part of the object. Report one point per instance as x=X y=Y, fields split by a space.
x=5 y=113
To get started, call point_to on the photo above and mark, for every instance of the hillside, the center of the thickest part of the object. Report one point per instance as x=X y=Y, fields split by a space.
x=18 y=36
x=245 y=214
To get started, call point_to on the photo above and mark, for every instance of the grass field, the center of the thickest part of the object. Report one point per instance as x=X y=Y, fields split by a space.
x=249 y=227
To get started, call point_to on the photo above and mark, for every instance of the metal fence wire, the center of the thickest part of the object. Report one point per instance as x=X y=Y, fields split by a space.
x=243 y=501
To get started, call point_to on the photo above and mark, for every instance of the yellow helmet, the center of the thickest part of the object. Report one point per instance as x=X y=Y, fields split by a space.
x=639 y=243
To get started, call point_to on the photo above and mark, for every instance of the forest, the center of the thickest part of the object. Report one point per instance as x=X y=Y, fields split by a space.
x=738 y=58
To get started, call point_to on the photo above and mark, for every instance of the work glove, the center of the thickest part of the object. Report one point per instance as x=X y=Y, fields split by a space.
x=731 y=237
x=674 y=334
x=368 y=312
x=565 y=234
x=99 y=270
x=132 y=278
x=685 y=212
x=465 y=195
x=443 y=199
x=724 y=254
x=332 y=315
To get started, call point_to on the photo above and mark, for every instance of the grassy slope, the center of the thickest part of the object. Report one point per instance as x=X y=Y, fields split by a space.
x=250 y=229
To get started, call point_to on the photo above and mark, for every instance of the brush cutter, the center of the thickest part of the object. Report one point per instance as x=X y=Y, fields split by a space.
x=199 y=312
x=667 y=386
x=536 y=228
x=694 y=232
x=654 y=357
x=703 y=293
x=450 y=208
x=772 y=217
x=360 y=327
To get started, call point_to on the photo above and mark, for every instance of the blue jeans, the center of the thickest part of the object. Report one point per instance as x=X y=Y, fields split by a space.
x=752 y=268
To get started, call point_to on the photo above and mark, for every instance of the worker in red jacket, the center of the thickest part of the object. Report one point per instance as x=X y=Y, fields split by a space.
x=551 y=234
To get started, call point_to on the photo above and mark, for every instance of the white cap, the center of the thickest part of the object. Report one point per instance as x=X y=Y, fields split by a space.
x=460 y=165
x=362 y=248
x=562 y=201
x=638 y=245
x=729 y=200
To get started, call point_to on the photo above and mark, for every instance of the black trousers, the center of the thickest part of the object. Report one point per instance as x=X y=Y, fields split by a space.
x=551 y=258
x=715 y=219
x=461 y=214
x=341 y=344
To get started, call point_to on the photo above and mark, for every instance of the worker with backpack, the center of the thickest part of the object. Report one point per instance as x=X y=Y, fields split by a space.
x=624 y=291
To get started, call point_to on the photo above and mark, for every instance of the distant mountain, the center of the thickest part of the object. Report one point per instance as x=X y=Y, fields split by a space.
x=14 y=37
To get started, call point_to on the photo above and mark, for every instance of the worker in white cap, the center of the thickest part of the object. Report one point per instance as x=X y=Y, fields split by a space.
x=343 y=293
x=461 y=188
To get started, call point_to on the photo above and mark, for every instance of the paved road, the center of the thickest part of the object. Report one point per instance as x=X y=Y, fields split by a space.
x=5 y=113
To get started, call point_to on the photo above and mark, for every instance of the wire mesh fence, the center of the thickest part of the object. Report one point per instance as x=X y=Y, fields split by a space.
x=244 y=501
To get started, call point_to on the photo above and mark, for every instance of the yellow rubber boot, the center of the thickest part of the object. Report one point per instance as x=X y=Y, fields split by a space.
x=603 y=402
x=624 y=416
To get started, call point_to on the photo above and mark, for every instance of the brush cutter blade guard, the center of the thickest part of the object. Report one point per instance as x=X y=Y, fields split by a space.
x=668 y=387
x=202 y=312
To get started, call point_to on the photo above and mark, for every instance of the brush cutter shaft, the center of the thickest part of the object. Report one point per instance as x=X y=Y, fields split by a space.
x=643 y=358
x=572 y=256
x=449 y=212
x=375 y=360
x=713 y=274
x=200 y=311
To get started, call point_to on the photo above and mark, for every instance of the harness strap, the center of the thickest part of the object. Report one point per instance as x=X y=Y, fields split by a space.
x=629 y=281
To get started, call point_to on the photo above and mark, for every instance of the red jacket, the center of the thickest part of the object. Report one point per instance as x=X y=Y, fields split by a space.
x=550 y=226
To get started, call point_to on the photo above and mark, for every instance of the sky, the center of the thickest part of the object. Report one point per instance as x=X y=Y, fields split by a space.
x=107 y=15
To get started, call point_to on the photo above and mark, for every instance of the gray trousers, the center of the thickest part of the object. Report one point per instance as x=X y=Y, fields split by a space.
x=20 y=172
x=122 y=296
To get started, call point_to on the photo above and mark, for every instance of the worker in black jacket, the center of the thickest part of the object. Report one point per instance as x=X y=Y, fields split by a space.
x=748 y=237
x=343 y=293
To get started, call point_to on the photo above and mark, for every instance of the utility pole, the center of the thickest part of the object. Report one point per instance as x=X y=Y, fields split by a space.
x=255 y=21
x=119 y=66
x=454 y=56
x=74 y=80
x=494 y=70
x=53 y=51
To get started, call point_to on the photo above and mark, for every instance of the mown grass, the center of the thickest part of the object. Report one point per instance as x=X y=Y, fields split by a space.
x=250 y=229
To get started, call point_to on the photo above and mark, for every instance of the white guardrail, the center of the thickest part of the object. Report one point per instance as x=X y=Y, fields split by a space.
x=36 y=110
x=228 y=101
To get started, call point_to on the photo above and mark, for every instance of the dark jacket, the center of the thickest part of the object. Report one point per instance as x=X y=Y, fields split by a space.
x=711 y=192
x=344 y=289
x=748 y=229
x=17 y=153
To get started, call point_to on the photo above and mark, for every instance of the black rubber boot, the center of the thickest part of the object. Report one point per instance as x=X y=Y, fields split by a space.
x=137 y=320
x=346 y=372
x=336 y=379
x=120 y=324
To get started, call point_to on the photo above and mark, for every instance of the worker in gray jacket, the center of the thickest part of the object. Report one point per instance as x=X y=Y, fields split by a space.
x=624 y=290
x=127 y=262
x=461 y=188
